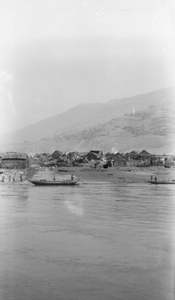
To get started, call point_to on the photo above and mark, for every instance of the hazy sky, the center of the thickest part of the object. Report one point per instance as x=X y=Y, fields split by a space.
x=55 y=54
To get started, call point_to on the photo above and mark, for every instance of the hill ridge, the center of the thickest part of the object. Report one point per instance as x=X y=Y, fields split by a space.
x=80 y=118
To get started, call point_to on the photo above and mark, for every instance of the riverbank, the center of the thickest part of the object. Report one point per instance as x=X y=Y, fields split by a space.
x=113 y=174
x=87 y=174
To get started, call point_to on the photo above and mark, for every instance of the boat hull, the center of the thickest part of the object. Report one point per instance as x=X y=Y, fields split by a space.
x=162 y=182
x=53 y=183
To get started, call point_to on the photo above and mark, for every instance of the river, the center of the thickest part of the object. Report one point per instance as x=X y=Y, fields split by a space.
x=95 y=241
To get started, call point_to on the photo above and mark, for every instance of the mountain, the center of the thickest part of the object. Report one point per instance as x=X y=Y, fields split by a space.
x=152 y=129
x=142 y=121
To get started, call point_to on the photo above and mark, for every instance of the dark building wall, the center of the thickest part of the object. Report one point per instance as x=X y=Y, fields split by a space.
x=134 y=157
x=120 y=162
x=91 y=156
x=14 y=163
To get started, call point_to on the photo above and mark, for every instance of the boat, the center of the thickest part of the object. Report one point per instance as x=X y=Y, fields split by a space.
x=143 y=165
x=45 y=182
x=162 y=182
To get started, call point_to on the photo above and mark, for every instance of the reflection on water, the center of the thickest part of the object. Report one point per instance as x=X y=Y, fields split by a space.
x=74 y=204
x=92 y=241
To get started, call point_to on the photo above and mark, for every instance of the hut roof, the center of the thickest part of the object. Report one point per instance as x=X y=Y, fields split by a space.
x=14 y=155
x=84 y=153
x=109 y=155
x=133 y=152
x=144 y=152
x=46 y=154
x=73 y=153
x=57 y=152
x=96 y=155
x=119 y=155
x=93 y=155
x=133 y=155
x=99 y=152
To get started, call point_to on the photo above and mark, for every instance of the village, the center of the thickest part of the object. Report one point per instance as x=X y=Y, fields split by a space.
x=19 y=167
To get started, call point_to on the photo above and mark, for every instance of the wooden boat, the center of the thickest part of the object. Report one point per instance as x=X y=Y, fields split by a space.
x=45 y=182
x=162 y=182
x=143 y=165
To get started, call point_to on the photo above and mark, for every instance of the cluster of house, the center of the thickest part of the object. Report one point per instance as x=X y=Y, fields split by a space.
x=96 y=158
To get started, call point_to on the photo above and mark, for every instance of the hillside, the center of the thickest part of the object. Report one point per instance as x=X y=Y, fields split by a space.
x=152 y=129
x=104 y=126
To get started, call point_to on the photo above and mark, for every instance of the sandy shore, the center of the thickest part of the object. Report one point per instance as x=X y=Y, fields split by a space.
x=124 y=174
x=113 y=174
x=87 y=174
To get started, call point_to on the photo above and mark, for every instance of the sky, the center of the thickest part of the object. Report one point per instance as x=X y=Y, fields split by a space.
x=56 y=54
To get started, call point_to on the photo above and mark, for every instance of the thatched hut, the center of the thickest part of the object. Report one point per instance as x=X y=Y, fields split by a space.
x=119 y=160
x=74 y=155
x=94 y=155
x=74 y=158
x=57 y=154
x=133 y=156
x=145 y=155
x=14 y=160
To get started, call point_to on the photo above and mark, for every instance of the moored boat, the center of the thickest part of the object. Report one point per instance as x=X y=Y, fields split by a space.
x=162 y=181
x=45 y=182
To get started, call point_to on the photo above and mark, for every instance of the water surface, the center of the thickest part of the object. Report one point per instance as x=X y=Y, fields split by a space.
x=93 y=241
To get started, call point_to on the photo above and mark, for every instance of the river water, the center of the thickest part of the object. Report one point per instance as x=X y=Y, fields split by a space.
x=95 y=241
